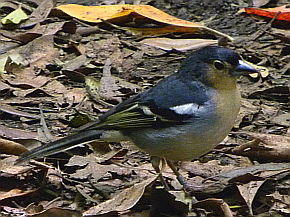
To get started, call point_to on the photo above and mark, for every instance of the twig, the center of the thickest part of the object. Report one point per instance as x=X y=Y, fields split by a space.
x=268 y=26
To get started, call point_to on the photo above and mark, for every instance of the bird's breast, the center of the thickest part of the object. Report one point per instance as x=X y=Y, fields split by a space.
x=198 y=135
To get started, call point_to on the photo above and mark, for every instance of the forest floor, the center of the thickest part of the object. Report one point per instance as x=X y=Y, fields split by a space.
x=247 y=174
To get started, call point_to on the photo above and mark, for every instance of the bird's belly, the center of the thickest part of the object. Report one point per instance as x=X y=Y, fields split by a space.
x=177 y=143
x=190 y=141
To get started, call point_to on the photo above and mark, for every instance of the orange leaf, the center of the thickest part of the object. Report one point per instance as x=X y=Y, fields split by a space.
x=15 y=193
x=271 y=12
x=93 y=14
x=97 y=14
x=160 y=16
x=127 y=13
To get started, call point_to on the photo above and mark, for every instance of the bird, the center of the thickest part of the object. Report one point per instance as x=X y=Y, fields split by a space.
x=181 y=118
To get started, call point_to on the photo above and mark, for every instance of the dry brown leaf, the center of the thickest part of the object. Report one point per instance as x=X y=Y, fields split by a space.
x=11 y=110
x=281 y=202
x=39 y=52
x=26 y=79
x=109 y=89
x=58 y=212
x=80 y=161
x=35 y=55
x=54 y=177
x=178 y=44
x=14 y=134
x=259 y=3
x=282 y=119
x=75 y=95
x=48 y=29
x=7 y=167
x=32 y=209
x=271 y=139
x=102 y=49
x=10 y=147
x=39 y=14
x=98 y=171
x=248 y=192
x=218 y=205
x=123 y=201
x=275 y=147
x=75 y=63
x=11 y=193
x=4 y=86
x=14 y=193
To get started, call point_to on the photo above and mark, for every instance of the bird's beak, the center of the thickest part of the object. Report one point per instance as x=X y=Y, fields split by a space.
x=245 y=68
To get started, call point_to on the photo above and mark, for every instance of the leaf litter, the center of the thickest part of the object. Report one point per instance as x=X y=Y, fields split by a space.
x=77 y=70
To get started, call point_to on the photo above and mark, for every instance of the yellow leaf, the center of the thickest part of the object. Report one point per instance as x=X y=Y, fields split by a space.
x=95 y=14
x=263 y=71
x=15 y=17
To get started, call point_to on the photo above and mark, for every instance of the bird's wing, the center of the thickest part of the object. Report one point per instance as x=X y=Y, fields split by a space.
x=132 y=113
x=157 y=107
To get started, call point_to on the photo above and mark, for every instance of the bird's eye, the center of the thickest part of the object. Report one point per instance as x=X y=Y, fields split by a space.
x=218 y=65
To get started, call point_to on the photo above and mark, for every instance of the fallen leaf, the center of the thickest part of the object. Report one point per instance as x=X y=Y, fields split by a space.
x=57 y=212
x=178 y=44
x=15 y=17
x=254 y=171
x=120 y=14
x=280 y=201
x=15 y=193
x=123 y=201
x=284 y=12
x=218 y=205
x=7 y=167
x=270 y=139
x=13 y=133
x=32 y=209
x=248 y=192
x=169 y=203
x=282 y=119
x=109 y=89
x=10 y=193
x=274 y=147
x=262 y=71
x=10 y=147
x=39 y=14
x=54 y=176
x=4 y=87
x=279 y=93
x=259 y=3
x=40 y=30
x=98 y=171
x=11 y=110
x=36 y=54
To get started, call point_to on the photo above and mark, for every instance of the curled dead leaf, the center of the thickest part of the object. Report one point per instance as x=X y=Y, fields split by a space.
x=178 y=44
x=123 y=201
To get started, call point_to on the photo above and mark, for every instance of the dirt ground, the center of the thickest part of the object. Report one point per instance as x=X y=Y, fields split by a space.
x=247 y=175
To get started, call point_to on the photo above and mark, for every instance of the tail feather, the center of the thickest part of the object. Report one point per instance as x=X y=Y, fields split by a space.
x=60 y=145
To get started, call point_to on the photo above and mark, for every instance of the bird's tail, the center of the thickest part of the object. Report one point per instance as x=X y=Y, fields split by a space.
x=60 y=145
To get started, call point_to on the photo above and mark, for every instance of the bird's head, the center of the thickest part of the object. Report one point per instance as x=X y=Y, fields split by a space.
x=215 y=66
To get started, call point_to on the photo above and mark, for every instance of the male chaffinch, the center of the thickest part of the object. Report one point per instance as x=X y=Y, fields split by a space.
x=183 y=117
